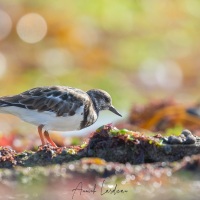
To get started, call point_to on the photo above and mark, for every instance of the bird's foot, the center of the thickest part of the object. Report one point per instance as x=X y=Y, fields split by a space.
x=49 y=147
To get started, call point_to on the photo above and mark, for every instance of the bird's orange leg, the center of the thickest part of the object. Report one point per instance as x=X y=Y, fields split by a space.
x=41 y=135
x=46 y=135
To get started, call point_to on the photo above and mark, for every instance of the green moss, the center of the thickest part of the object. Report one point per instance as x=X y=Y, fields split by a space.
x=116 y=132
x=130 y=137
x=123 y=131
x=99 y=129
x=150 y=142
x=83 y=145
x=159 y=143
x=71 y=151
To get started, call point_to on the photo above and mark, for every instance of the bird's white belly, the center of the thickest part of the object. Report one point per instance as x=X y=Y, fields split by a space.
x=48 y=119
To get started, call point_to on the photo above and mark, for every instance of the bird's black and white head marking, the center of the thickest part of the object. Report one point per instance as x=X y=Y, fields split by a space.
x=101 y=100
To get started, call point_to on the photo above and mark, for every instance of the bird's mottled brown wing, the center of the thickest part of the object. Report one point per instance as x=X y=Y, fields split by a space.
x=59 y=99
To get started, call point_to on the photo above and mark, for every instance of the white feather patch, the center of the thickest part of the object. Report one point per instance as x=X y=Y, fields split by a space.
x=46 y=118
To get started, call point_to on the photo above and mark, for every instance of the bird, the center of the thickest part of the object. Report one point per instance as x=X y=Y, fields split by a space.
x=57 y=108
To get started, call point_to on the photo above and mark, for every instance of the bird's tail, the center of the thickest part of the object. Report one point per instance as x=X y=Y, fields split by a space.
x=3 y=104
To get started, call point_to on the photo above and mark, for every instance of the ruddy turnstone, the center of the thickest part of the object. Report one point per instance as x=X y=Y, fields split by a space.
x=57 y=108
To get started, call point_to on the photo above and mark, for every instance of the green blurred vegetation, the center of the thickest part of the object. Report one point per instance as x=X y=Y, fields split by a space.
x=104 y=44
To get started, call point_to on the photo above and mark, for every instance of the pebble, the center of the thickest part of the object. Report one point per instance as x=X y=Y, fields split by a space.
x=186 y=137
x=186 y=133
x=190 y=139
x=174 y=140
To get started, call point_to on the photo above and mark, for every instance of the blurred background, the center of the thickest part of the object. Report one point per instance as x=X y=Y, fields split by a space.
x=135 y=50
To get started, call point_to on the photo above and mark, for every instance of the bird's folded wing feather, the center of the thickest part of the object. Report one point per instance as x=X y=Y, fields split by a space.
x=53 y=99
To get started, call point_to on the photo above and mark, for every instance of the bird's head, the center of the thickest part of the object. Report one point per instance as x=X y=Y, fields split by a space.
x=102 y=101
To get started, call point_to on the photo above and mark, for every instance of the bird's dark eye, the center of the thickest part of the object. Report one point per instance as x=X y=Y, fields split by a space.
x=107 y=100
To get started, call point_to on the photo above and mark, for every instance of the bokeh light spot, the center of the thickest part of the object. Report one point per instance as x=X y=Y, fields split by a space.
x=32 y=28
x=3 y=65
x=169 y=76
x=56 y=61
x=166 y=74
x=5 y=24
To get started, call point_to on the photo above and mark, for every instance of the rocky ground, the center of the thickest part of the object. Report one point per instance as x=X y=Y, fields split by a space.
x=112 y=163
x=112 y=145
